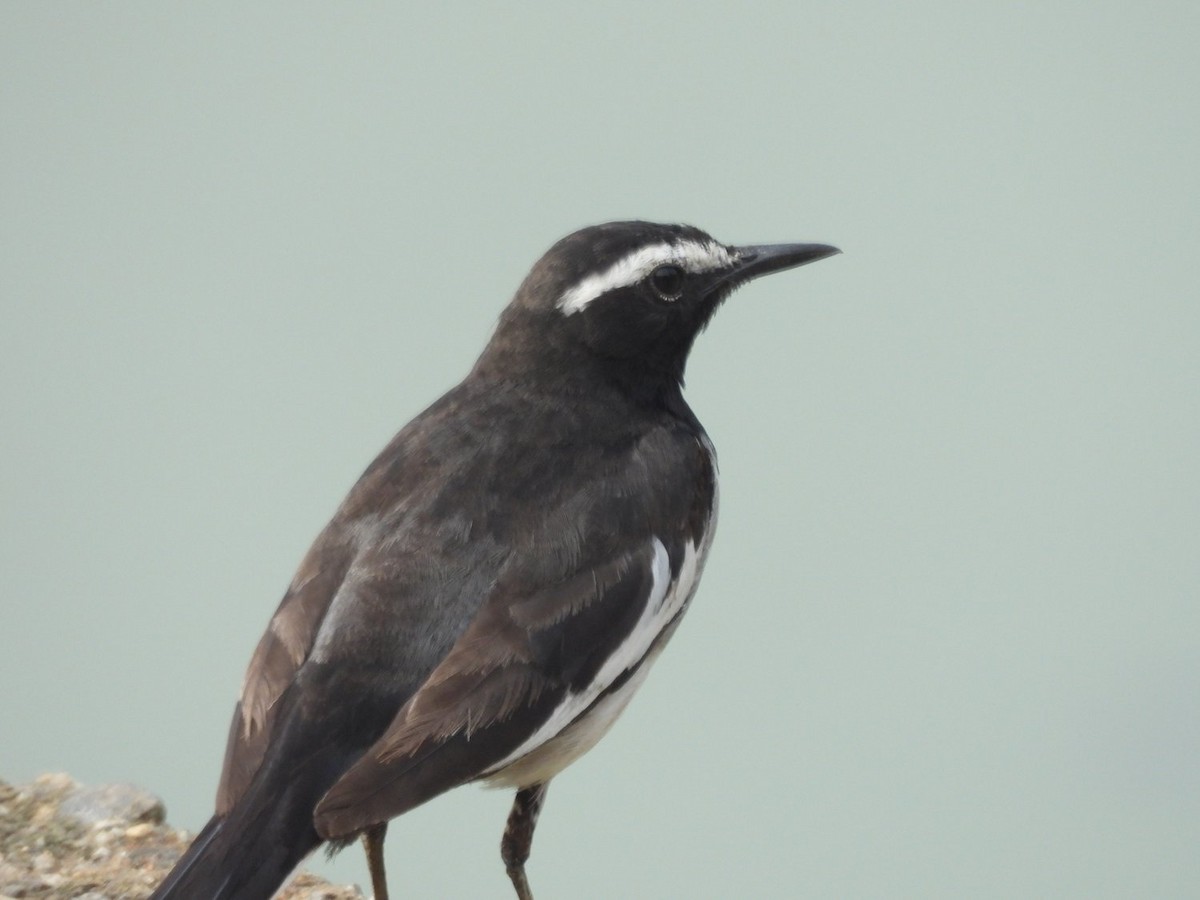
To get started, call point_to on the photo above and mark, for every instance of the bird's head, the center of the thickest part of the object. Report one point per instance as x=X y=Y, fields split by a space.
x=630 y=297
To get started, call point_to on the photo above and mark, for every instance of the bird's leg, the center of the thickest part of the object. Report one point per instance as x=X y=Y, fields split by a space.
x=518 y=835
x=372 y=840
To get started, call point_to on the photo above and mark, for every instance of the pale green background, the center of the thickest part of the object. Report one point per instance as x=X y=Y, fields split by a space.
x=948 y=644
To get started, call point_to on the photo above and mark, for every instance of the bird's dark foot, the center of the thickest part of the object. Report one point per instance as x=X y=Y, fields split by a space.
x=518 y=836
x=520 y=882
x=373 y=844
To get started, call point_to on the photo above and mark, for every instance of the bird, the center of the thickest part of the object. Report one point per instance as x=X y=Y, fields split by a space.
x=496 y=585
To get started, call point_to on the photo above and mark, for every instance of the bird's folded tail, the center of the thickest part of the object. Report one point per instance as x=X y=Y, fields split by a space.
x=245 y=855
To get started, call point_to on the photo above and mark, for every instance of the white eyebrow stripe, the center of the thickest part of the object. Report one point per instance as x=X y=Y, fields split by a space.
x=691 y=256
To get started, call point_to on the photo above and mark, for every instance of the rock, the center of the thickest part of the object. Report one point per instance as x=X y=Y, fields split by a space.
x=122 y=802
x=53 y=784
x=60 y=840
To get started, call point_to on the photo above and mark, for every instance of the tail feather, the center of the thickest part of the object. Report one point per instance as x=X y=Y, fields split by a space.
x=186 y=862
x=248 y=852
x=246 y=855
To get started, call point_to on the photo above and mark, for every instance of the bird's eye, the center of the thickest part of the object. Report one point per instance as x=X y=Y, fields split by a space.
x=667 y=282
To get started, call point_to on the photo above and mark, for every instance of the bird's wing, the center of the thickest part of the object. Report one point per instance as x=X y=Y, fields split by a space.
x=370 y=561
x=282 y=649
x=528 y=666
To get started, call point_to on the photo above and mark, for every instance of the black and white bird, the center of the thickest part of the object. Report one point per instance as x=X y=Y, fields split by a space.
x=495 y=587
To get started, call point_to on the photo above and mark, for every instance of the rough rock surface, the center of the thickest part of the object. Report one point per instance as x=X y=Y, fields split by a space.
x=60 y=840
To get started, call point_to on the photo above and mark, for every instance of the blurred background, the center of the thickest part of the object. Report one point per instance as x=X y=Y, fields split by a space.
x=947 y=640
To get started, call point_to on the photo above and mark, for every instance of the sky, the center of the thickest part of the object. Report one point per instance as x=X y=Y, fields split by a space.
x=946 y=643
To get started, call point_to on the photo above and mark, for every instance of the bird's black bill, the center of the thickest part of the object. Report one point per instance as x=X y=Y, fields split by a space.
x=762 y=259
